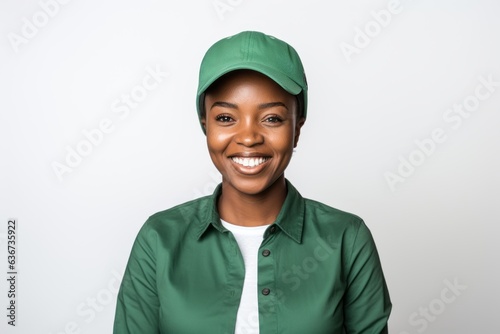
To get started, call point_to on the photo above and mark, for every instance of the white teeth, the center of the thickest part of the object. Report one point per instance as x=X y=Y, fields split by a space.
x=249 y=162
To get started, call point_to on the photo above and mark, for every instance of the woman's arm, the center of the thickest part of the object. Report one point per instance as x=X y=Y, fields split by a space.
x=137 y=309
x=367 y=304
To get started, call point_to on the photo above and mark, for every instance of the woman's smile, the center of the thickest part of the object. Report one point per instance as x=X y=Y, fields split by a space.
x=249 y=165
x=250 y=162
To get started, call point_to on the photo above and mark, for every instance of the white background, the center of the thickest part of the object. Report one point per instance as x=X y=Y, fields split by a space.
x=366 y=112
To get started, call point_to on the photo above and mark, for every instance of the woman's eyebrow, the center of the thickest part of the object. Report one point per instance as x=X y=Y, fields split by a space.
x=272 y=105
x=261 y=106
x=224 y=105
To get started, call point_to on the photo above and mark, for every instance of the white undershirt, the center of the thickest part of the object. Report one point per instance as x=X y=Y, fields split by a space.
x=249 y=240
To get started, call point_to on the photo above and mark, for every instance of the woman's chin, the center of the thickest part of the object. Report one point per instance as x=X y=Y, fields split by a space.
x=251 y=186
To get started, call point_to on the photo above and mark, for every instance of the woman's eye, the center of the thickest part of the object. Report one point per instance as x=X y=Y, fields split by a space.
x=273 y=119
x=224 y=118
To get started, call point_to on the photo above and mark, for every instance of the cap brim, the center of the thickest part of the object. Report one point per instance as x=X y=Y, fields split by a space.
x=284 y=81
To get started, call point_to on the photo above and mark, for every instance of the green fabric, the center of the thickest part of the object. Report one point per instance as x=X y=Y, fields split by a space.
x=185 y=273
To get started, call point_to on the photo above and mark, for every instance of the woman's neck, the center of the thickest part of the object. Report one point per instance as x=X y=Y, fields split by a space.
x=252 y=210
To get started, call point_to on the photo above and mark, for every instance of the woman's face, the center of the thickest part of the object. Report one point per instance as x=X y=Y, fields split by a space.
x=252 y=127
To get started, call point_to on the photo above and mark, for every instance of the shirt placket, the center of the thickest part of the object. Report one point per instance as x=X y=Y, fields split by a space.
x=267 y=293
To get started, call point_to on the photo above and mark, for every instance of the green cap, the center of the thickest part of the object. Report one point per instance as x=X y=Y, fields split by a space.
x=252 y=50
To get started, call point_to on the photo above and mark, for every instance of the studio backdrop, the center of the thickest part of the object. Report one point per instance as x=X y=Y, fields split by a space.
x=98 y=131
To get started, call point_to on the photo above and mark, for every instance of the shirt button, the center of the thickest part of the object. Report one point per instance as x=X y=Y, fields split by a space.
x=266 y=252
x=272 y=229
x=266 y=291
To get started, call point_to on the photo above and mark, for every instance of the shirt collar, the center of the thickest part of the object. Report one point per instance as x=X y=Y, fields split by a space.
x=290 y=218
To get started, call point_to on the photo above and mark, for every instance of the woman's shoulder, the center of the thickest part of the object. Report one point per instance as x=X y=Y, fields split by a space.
x=182 y=215
x=337 y=226
x=330 y=213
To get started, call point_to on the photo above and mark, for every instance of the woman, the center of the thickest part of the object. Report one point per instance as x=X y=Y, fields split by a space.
x=254 y=257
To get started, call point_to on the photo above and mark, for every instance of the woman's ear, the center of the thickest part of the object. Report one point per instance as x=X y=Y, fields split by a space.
x=298 y=126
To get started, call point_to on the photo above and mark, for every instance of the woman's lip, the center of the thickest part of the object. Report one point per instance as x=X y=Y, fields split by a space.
x=254 y=164
x=249 y=154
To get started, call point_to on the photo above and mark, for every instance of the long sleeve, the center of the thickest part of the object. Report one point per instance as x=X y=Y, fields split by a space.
x=137 y=309
x=367 y=304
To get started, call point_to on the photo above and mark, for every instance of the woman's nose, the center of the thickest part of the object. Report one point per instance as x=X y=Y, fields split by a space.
x=249 y=133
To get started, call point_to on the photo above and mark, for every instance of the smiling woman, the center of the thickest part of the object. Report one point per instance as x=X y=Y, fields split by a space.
x=254 y=257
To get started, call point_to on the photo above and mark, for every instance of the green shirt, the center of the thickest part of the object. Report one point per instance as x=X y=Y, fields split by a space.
x=318 y=272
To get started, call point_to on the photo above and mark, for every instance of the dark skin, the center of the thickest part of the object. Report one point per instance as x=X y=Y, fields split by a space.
x=252 y=126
